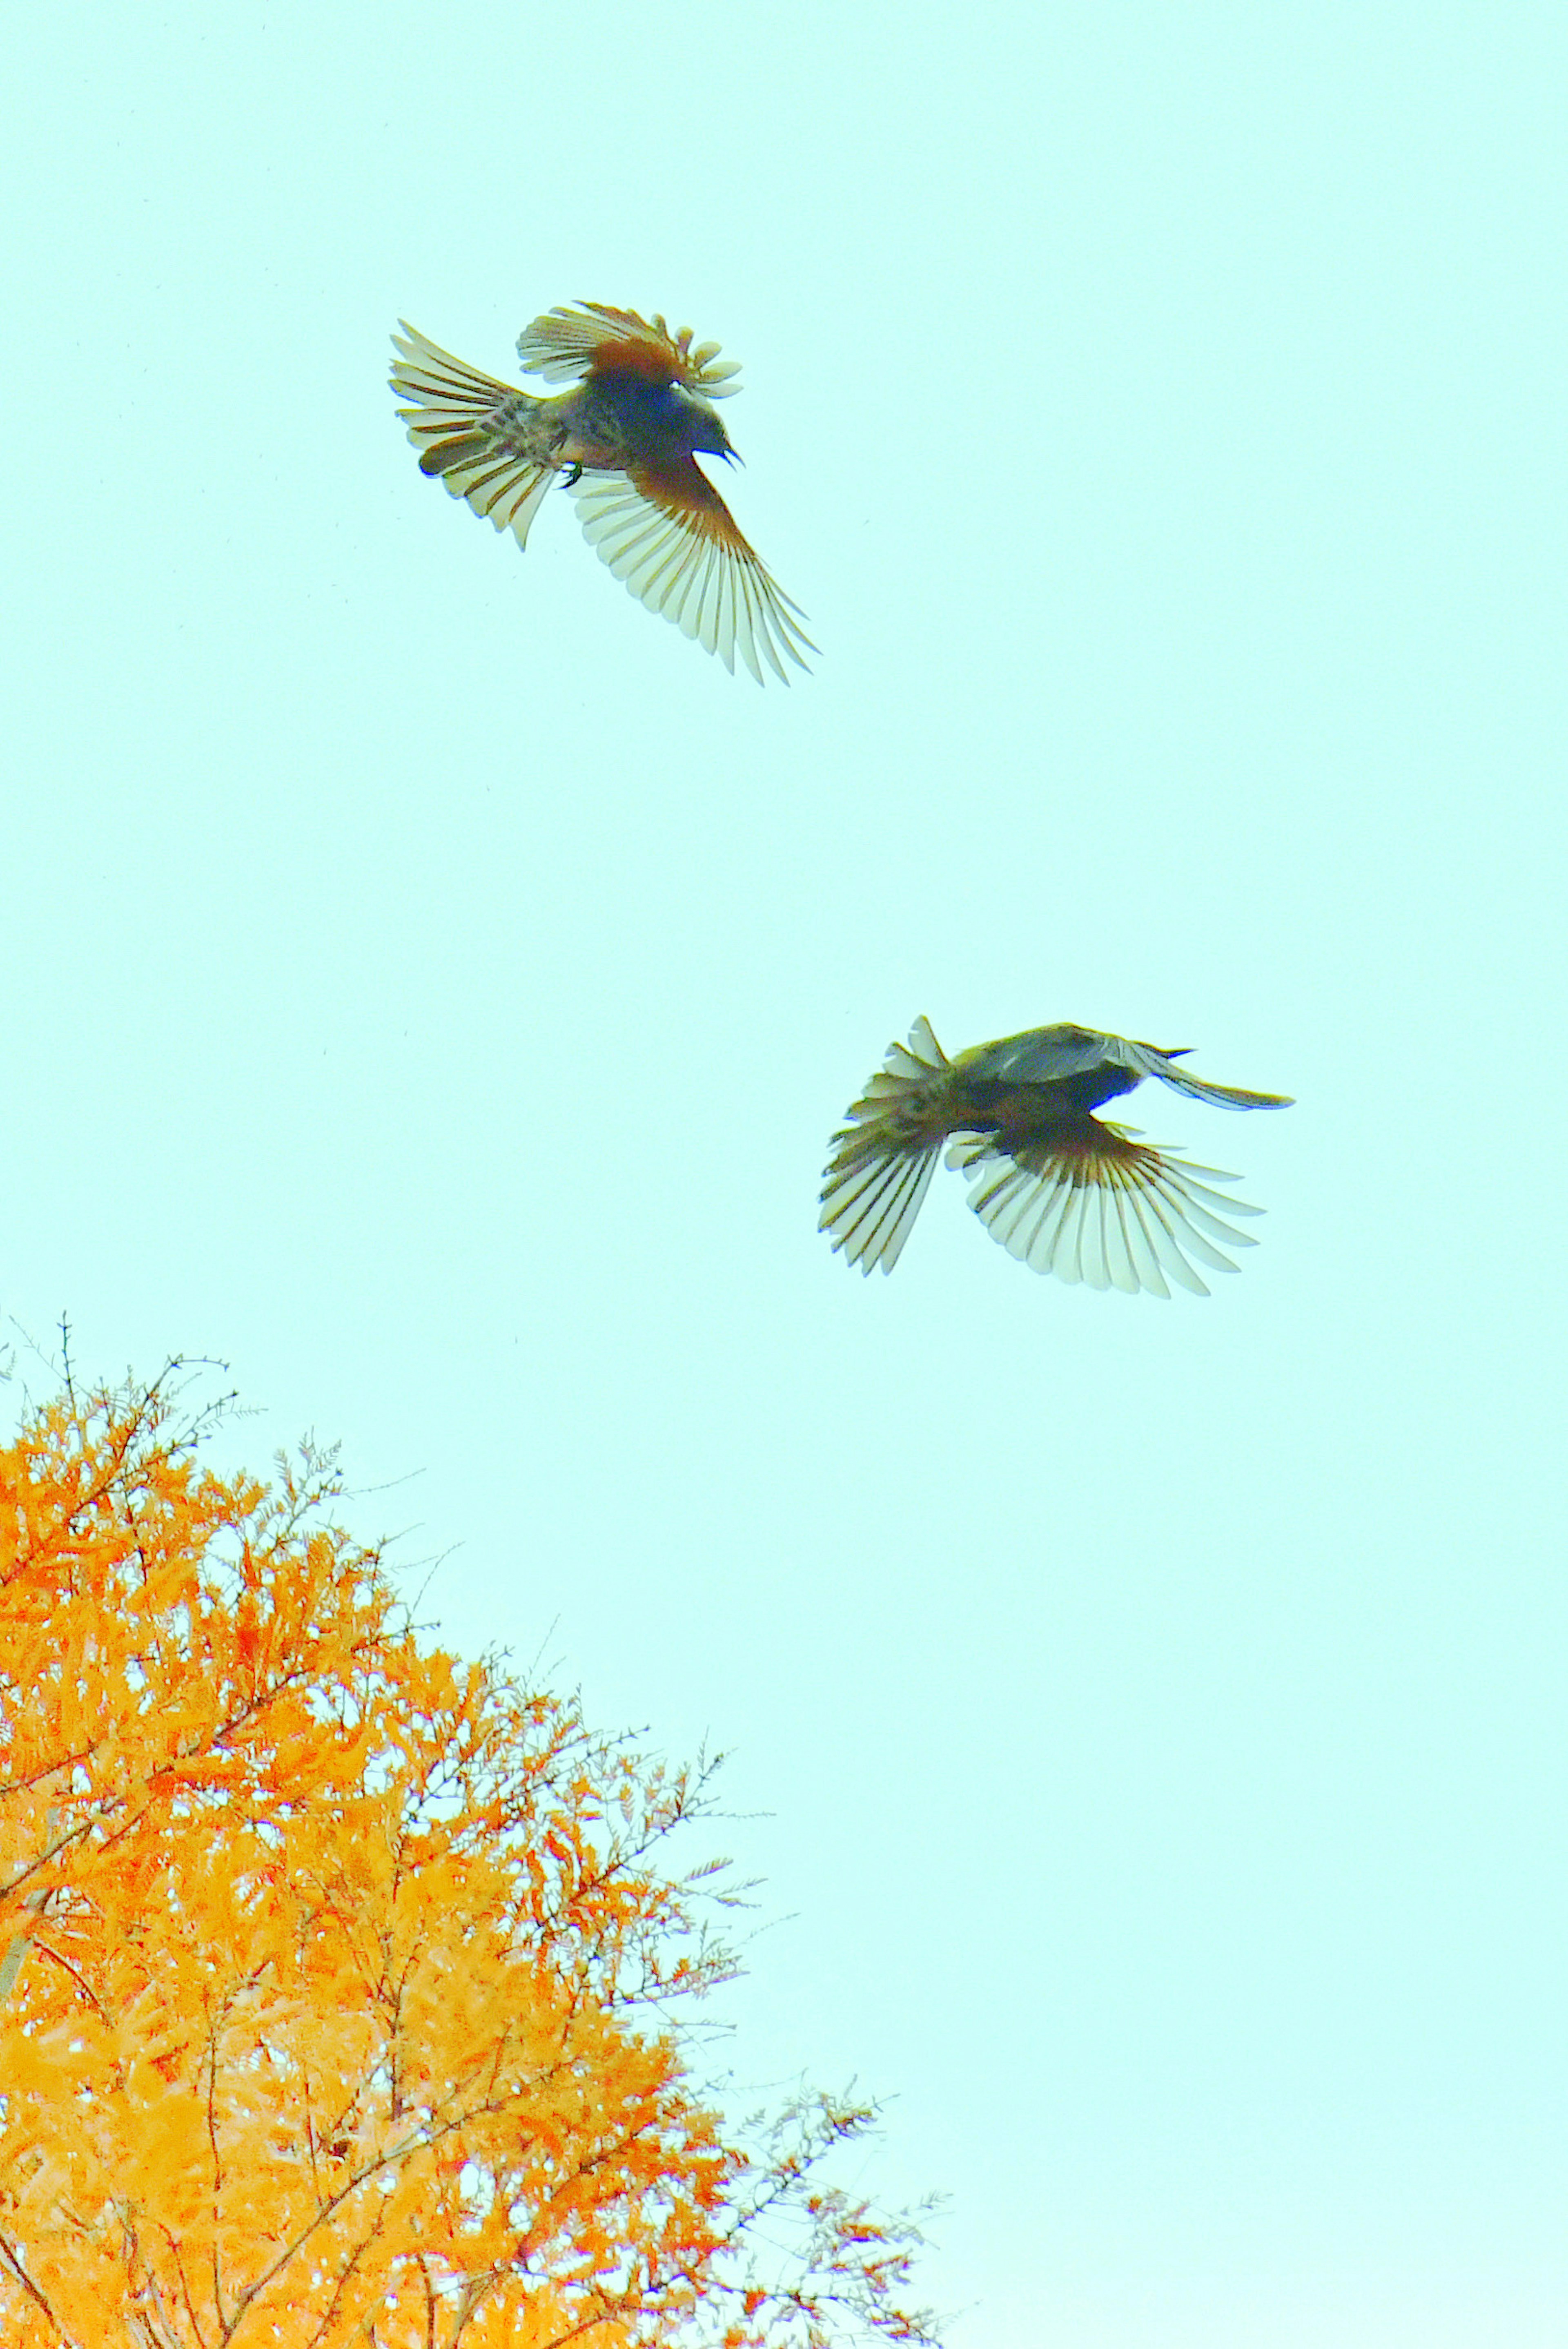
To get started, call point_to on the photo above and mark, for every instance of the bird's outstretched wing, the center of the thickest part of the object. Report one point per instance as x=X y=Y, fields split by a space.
x=883 y=1159
x=1093 y=1205
x=486 y=440
x=1040 y=1055
x=673 y=540
x=1048 y=1056
x=1148 y=1060
x=580 y=338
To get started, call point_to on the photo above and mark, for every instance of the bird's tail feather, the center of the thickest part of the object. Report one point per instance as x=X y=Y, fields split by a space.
x=485 y=440
x=884 y=1157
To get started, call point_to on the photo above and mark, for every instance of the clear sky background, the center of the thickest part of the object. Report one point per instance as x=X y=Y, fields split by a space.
x=433 y=983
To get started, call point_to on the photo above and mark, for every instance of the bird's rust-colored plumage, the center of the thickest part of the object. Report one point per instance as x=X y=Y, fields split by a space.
x=1063 y=1190
x=623 y=440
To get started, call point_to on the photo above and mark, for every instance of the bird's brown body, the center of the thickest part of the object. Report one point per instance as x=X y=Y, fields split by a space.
x=624 y=441
x=1064 y=1190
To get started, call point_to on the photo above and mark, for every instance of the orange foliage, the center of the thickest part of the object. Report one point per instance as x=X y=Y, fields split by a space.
x=336 y=1973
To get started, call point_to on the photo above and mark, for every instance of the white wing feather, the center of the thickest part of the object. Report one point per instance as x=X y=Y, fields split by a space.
x=716 y=590
x=1127 y=1222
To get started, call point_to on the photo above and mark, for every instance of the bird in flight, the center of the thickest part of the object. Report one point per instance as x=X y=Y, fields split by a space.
x=1061 y=1189
x=624 y=441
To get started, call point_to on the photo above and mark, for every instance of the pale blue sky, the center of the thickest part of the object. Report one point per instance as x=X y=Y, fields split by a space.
x=434 y=983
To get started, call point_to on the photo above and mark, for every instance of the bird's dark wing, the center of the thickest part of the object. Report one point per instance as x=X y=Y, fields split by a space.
x=1039 y=1056
x=1047 y=1056
x=1149 y=1061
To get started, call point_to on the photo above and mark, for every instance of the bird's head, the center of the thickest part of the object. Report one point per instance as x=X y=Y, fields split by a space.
x=704 y=433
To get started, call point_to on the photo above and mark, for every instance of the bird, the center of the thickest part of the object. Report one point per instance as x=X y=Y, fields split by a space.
x=624 y=441
x=1066 y=1192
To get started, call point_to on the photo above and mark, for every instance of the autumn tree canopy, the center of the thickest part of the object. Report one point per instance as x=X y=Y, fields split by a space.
x=347 y=1990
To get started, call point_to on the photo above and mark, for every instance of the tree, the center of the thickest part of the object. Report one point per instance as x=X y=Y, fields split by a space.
x=343 y=1985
